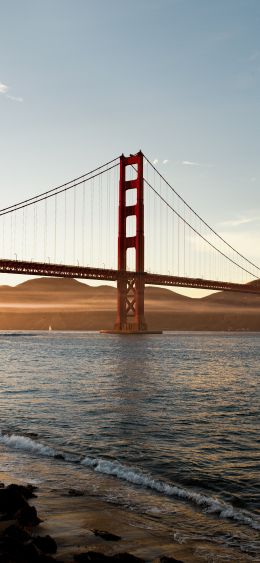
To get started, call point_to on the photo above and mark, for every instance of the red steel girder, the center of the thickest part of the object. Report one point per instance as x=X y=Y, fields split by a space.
x=104 y=274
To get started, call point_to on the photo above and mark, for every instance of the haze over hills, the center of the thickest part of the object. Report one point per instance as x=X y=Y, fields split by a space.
x=67 y=304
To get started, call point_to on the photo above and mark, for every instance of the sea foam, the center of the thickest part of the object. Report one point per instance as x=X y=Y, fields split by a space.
x=26 y=444
x=207 y=503
x=137 y=477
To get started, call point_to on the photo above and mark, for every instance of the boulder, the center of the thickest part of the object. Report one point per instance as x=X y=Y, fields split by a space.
x=92 y=557
x=46 y=544
x=27 y=516
x=126 y=558
x=27 y=491
x=75 y=493
x=95 y=557
x=11 y=500
x=16 y=532
x=165 y=559
x=108 y=536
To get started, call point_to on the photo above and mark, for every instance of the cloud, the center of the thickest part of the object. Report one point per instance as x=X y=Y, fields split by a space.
x=155 y=161
x=15 y=98
x=240 y=221
x=190 y=163
x=194 y=163
x=165 y=161
x=3 y=88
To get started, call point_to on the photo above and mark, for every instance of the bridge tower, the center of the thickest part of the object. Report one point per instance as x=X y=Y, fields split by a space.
x=130 y=290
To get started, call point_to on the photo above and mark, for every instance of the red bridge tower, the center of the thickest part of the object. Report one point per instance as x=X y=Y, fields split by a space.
x=130 y=286
x=130 y=290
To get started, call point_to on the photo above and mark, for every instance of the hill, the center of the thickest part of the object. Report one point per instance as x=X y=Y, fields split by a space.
x=68 y=304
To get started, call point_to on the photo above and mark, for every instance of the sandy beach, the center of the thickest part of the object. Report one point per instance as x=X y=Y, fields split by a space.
x=74 y=519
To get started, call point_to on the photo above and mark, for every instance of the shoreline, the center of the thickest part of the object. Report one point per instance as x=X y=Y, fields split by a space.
x=71 y=517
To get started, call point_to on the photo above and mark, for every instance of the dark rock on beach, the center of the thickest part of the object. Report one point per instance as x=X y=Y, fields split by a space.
x=17 y=533
x=59 y=456
x=27 y=491
x=46 y=544
x=127 y=558
x=11 y=500
x=108 y=536
x=95 y=557
x=75 y=493
x=27 y=516
x=166 y=559
x=18 y=544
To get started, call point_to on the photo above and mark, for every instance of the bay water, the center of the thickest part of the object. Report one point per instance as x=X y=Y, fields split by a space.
x=163 y=425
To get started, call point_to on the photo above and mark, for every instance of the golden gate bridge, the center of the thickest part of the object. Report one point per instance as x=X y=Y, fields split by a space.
x=122 y=222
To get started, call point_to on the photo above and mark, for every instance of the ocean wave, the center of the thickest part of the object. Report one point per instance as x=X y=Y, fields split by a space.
x=27 y=444
x=137 y=477
x=208 y=504
x=19 y=442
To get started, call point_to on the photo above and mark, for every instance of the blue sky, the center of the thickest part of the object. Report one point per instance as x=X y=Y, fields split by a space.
x=82 y=81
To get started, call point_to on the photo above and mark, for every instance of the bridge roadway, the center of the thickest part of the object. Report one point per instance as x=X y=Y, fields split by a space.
x=103 y=274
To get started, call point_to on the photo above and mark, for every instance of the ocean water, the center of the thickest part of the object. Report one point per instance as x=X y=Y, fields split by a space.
x=163 y=425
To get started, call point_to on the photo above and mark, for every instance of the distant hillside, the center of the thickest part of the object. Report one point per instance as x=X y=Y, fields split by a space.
x=68 y=304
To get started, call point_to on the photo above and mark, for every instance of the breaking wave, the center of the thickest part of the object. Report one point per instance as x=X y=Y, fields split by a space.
x=27 y=444
x=208 y=504
x=137 y=477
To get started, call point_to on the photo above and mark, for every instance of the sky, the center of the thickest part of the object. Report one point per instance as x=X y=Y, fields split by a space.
x=83 y=81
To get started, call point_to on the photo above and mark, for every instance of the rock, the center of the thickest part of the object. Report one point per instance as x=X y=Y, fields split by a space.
x=46 y=559
x=46 y=544
x=17 y=551
x=4 y=525
x=95 y=557
x=165 y=559
x=59 y=456
x=27 y=491
x=75 y=493
x=11 y=500
x=27 y=516
x=30 y=552
x=108 y=536
x=92 y=557
x=16 y=532
x=126 y=558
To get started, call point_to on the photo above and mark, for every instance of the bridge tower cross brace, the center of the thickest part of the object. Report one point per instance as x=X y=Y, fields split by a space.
x=130 y=290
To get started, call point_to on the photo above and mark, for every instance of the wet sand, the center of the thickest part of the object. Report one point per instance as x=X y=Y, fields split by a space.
x=71 y=521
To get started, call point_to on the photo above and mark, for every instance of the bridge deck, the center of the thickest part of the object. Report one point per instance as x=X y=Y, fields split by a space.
x=103 y=274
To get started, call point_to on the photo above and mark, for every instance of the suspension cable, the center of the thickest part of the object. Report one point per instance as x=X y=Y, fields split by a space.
x=197 y=233
x=21 y=203
x=47 y=195
x=197 y=215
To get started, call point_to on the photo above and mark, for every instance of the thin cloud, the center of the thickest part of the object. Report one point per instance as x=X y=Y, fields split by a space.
x=15 y=98
x=165 y=161
x=194 y=163
x=3 y=88
x=190 y=163
x=239 y=222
